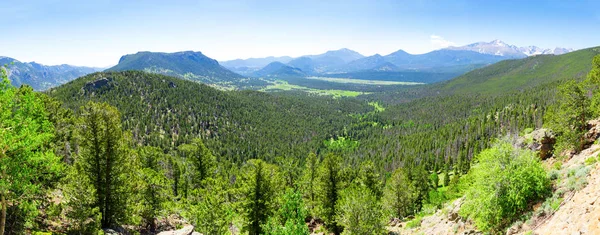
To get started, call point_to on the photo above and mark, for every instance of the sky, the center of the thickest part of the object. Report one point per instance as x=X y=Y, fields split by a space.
x=98 y=32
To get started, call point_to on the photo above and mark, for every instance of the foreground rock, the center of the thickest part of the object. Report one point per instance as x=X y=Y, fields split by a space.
x=540 y=140
x=579 y=213
x=186 y=230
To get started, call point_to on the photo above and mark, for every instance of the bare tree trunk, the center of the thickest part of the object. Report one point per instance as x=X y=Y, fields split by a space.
x=3 y=217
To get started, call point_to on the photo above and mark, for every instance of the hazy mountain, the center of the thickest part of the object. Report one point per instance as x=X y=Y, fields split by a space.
x=186 y=64
x=435 y=60
x=305 y=64
x=42 y=77
x=254 y=62
x=278 y=69
x=345 y=55
x=501 y=48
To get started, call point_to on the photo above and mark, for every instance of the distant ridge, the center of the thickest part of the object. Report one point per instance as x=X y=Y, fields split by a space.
x=42 y=77
x=189 y=65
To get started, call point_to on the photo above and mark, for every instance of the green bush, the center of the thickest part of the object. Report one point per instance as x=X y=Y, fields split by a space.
x=590 y=161
x=360 y=212
x=502 y=184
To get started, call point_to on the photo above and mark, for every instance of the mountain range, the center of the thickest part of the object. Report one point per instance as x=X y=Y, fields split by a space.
x=42 y=77
x=343 y=63
x=501 y=48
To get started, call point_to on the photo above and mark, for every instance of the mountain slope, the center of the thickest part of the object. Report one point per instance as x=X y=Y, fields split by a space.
x=519 y=74
x=254 y=62
x=278 y=69
x=186 y=64
x=42 y=77
x=166 y=111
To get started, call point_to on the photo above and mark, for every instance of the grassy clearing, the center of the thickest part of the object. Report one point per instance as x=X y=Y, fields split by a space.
x=279 y=85
x=360 y=81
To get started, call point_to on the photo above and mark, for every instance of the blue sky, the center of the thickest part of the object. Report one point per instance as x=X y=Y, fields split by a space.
x=97 y=33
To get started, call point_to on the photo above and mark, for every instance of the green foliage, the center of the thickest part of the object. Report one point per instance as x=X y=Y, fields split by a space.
x=151 y=188
x=341 y=144
x=84 y=216
x=502 y=184
x=590 y=160
x=289 y=219
x=359 y=211
x=104 y=160
x=398 y=195
x=166 y=112
x=593 y=80
x=261 y=183
x=414 y=223
x=568 y=117
x=26 y=164
x=330 y=184
x=201 y=158
x=310 y=183
x=209 y=209
x=369 y=178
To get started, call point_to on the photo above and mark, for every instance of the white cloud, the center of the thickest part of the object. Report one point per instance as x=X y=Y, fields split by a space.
x=439 y=42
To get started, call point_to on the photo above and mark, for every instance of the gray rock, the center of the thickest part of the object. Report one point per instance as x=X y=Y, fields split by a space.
x=186 y=230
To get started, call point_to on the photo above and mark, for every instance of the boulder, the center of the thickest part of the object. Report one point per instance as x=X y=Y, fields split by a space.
x=540 y=140
x=593 y=132
x=186 y=230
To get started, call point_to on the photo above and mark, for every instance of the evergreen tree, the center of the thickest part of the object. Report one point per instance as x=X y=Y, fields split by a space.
x=330 y=185
x=201 y=158
x=260 y=184
x=25 y=163
x=398 y=196
x=593 y=79
x=309 y=180
x=152 y=185
x=568 y=117
x=370 y=178
x=209 y=208
x=103 y=160
x=289 y=219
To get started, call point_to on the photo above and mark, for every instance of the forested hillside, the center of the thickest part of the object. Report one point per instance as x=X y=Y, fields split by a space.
x=166 y=112
x=142 y=147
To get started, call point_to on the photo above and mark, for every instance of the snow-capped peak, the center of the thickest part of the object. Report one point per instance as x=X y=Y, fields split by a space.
x=500 y=48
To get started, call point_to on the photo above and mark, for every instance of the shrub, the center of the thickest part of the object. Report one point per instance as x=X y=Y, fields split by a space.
x=590 y=161
x=502 y=184
x=359 y=212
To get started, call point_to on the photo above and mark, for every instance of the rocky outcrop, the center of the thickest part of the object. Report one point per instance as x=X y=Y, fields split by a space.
x=593 y=133
x=97 y=84
x=540 y=140
x=186 y=230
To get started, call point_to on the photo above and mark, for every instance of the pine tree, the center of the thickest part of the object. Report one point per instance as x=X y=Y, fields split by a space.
x=330 y=185
x=260 y=184
x=309 y=179
x=103 y=160
x=201 y=158
x=398 y=196
x=568 y=117
x=370 y=178
x=289 y=219
x=152 y=185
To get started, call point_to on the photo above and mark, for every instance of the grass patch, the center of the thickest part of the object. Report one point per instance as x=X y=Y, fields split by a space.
x=366 y=82
x=280 y=85
x=416 y=222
